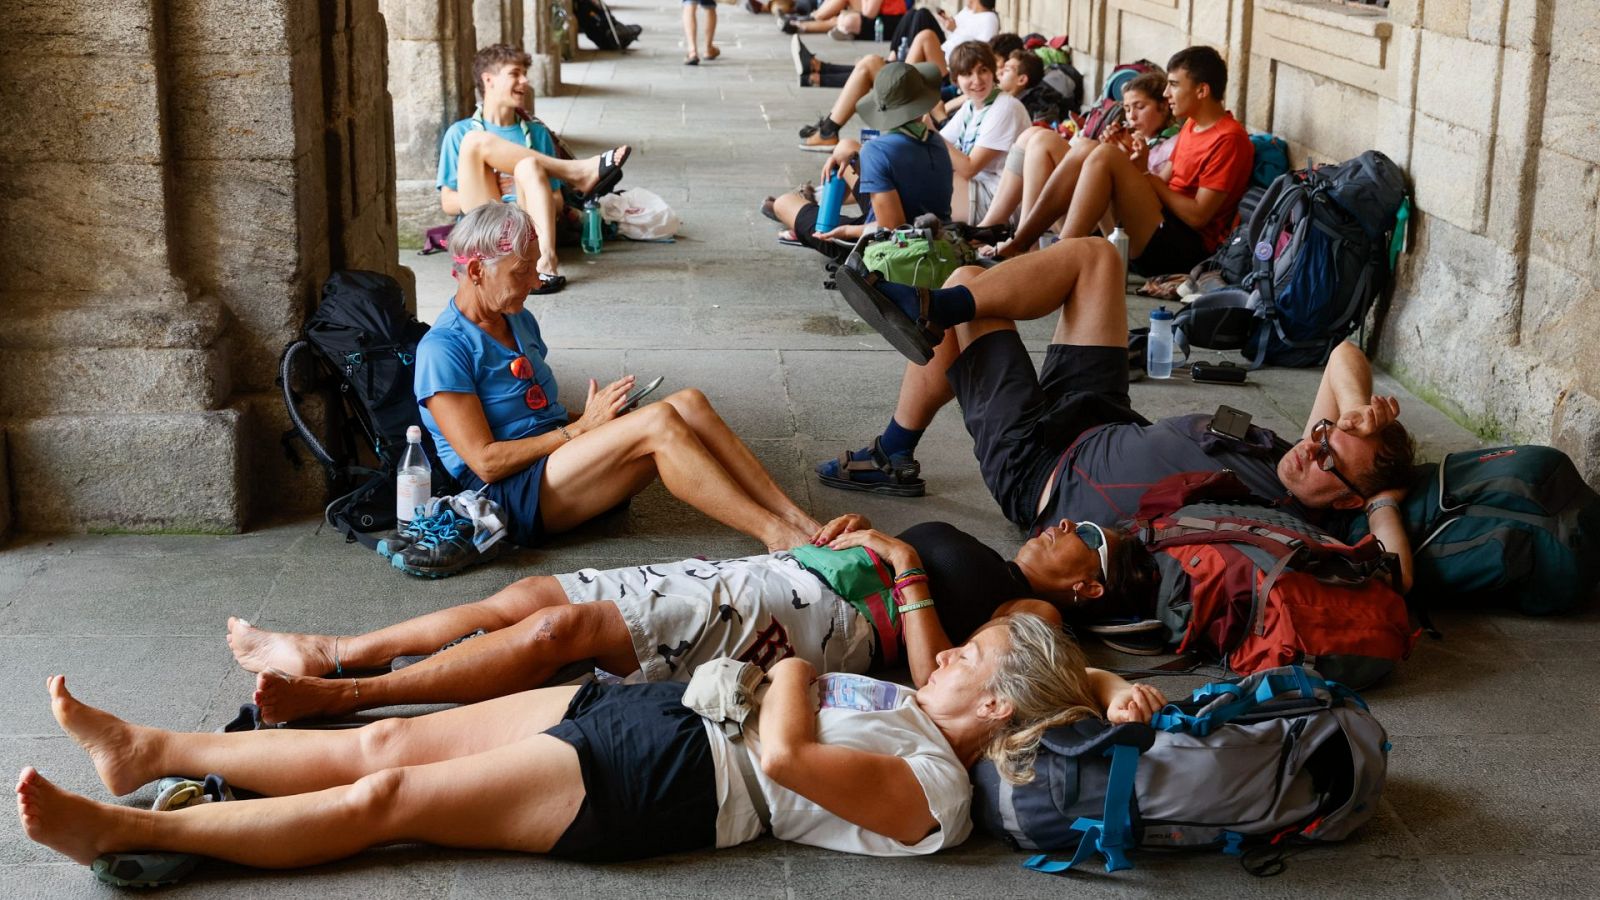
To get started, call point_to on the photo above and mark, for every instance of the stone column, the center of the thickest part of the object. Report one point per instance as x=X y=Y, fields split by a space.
x=542 y=43
x=430 y=47
x=498 y=22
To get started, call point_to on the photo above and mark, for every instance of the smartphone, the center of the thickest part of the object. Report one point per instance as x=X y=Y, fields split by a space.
x=1230 y=422
x=640 y=393
x=1217 y=373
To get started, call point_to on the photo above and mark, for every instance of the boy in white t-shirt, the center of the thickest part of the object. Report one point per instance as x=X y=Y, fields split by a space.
x=980 y=132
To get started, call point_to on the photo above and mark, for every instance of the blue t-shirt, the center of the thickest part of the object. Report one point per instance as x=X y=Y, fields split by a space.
x=457 y=356
x=537 y=138
x=919 y=171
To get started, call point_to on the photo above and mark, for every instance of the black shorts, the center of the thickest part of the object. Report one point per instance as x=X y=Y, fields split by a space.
x=1021 y=423
x=650 y=785
x=1174 y=248
x=805 y=227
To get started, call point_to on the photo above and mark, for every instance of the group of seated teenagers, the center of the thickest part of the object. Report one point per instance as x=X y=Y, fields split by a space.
x=832 y=757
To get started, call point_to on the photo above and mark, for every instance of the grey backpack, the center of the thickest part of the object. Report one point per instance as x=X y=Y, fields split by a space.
x=1245 y=766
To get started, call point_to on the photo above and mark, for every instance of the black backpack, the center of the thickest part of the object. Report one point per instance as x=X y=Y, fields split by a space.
x=600 y=26
x=365 y=345
x=1303 y=272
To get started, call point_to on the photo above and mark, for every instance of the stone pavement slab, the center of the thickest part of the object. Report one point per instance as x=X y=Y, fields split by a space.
x=1494 y=786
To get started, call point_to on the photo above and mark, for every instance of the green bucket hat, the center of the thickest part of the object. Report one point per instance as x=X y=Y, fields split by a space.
x=900 y=94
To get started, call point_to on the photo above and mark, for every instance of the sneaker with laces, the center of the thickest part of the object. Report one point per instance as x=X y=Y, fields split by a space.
x=816 y=143
x=411 y=533
x=445 y=548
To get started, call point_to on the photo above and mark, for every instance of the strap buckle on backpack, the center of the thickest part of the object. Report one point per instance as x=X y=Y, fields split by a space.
x=1111 y=835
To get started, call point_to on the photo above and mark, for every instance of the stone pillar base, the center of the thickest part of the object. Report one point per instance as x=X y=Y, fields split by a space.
x=417 y=209
x=5 y=492
x=153 y=472
x=275 y=487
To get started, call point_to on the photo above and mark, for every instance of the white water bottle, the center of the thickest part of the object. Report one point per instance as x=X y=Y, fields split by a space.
x=1119 y=240
x=877 y=29
x=413 y=483
x=1158 y=348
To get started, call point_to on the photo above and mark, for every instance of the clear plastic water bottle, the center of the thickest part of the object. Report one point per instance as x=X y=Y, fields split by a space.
x=413 y=483
x=877 y=29
x=592 y=239
x=1119 y=240
x=1158 y=351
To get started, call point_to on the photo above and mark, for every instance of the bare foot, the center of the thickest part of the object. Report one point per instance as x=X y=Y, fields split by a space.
x=257 y=650
x=67 y=823
x=112 y=744
x=288 y=698
x=791 y=536
x=547 y=265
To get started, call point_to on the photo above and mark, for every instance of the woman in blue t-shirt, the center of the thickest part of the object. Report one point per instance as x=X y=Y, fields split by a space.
x=491 y=402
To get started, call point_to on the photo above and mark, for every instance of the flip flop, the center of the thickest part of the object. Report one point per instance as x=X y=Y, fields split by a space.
x=692 y=61
x=789 y=239
x=611 y=170
x=549 y=284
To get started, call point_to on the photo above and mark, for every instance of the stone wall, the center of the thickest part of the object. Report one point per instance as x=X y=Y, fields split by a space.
x=181 y=176
x=1484 y=102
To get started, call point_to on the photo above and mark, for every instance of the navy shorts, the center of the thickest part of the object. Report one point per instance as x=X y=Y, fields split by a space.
x=1021 y=423
x=650 y=785
x=518 y=497
x=1174 y=248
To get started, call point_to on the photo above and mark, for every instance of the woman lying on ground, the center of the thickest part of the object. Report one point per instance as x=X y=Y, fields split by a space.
x=1041 y=171
x=660 y=622
x=598 y=772
x=499 y=427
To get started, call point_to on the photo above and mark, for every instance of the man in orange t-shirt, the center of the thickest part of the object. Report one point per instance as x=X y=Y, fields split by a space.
x=1171 y=225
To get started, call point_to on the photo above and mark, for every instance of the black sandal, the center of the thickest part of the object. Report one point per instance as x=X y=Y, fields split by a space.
x=904 y=478
x=549 y=284
x=914 y=339
x=610 y=172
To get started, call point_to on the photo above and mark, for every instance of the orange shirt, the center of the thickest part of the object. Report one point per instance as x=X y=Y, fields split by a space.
x=1217 y=159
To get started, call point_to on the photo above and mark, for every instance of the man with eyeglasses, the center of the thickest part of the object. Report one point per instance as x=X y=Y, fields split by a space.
x=1066 y=443
x=826 y=602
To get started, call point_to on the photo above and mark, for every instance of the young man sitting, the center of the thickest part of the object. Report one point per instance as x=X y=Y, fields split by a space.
x=905 y=172
x=479 y=155
x=981 y=130
x=919 y=39
x=1174 y=224
x=1066 y=442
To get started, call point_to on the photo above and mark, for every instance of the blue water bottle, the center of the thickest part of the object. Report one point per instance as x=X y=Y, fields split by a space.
x=1158 y=349
x=829 y=201
x=591 y=238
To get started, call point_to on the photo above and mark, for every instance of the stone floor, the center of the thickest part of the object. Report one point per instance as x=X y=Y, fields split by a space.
x=1494 y=787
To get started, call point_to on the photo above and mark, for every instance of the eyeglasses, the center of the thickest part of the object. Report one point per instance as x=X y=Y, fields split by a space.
x=1094 y=537
x=1322 y=433
x=534 y=396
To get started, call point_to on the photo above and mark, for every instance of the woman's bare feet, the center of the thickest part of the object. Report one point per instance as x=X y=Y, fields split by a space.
x=67 y=823
x=112 y=744
x=283 y=697
x=257 y=650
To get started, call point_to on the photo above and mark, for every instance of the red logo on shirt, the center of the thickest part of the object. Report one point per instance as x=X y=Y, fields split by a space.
x=771 y=644
x=535 y=398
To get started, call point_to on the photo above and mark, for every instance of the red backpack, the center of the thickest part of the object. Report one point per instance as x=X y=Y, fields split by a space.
x=1258 y=587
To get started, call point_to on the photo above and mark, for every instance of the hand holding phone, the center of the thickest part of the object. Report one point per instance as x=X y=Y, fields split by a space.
x=633 y=399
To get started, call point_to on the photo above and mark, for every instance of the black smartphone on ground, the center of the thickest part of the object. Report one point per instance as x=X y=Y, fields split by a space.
x=640 y=393
x=1217 y=373
x=1230 y=422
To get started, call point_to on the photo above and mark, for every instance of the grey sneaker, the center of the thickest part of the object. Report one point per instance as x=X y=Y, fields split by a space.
x=444 y=549
x=412 y=532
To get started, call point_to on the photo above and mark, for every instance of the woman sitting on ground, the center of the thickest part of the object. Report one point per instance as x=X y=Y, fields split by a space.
x=660 y=622
x=499 y=426
x=906 y=171
x=597 y=772
x=1042 y=170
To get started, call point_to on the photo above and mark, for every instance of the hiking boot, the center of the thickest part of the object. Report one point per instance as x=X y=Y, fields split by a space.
x=411 y=533
x=445 y=548
x=816 y=143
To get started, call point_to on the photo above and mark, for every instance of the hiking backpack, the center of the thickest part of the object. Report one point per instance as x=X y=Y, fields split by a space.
x=1121 y=75
x=1304 y=270
x=918 y=256
x=365 y=345
x=1509 y=526
x=601 y=27
x=1280 y=757
x=1257 y=588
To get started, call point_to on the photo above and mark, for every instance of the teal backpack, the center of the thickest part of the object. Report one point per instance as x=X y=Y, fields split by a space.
x=919 y=257
x=1503 y=526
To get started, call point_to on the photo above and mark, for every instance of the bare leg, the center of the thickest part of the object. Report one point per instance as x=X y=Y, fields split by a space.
x=517 y=797
x=925 y=48
x=959 y=195
x=1052 y=178
x=256 y=649
x=1082 y=278
x=711 y=33
x=289 y=761
x=539 y=202
x=924 y=390
x=520 y=657
x=689 y=42
x=1110 y=181
x=601 y=468
x=480 y=149
x=858 y=85
x=736 y=458
x=1006 y=198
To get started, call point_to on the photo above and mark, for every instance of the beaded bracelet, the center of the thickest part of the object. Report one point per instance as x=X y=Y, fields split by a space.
x=913 y=607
